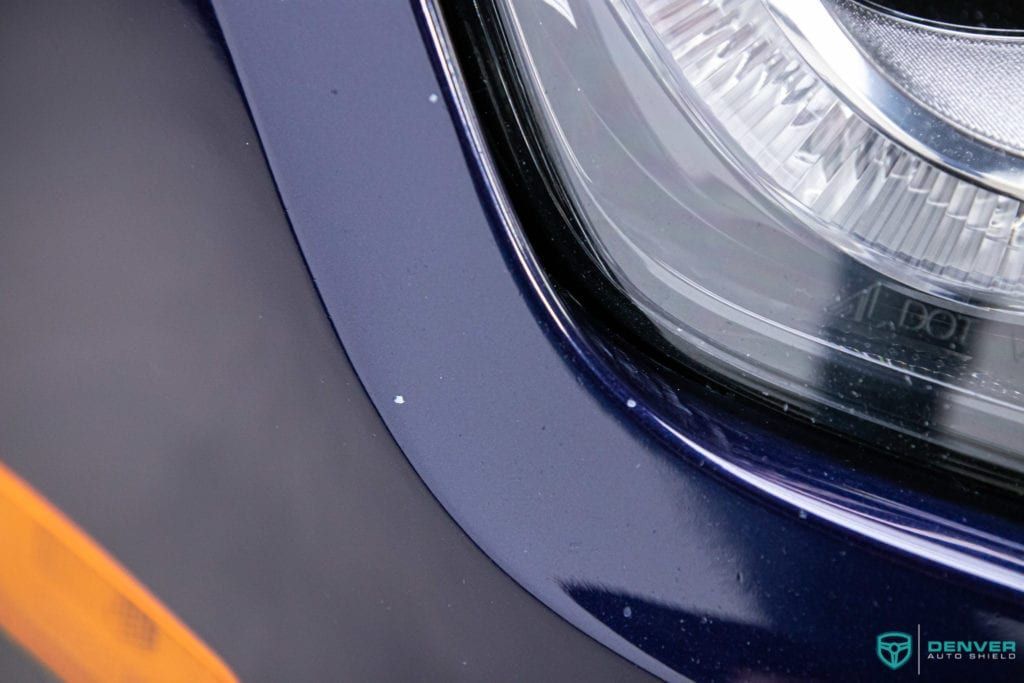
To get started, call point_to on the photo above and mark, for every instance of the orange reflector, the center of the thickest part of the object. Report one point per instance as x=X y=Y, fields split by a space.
x=78 y=611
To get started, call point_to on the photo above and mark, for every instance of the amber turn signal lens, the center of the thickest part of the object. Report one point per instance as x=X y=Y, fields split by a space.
x=80 y=613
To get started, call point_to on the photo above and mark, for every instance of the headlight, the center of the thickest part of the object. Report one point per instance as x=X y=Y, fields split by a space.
x=808 y=115
x=797 y=203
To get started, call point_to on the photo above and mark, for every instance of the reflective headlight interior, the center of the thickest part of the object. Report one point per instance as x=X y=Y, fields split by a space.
x=781 y=225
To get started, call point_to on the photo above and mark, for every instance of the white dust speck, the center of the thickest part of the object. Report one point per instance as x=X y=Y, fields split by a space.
x=627 y=612
x=399 y=400
x=433 y=98
x=631 y=403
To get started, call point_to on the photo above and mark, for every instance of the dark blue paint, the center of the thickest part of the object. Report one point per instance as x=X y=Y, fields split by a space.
x=584 y=510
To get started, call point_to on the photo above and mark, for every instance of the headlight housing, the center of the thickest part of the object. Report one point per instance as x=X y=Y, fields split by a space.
x=706 y=203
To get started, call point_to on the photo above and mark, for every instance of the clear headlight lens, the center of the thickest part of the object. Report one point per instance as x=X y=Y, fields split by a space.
x=809 y=218
x=831 y=143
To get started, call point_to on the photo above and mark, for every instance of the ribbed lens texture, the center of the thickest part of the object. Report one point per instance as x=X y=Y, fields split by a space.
x=771 y=111
x=974 y=80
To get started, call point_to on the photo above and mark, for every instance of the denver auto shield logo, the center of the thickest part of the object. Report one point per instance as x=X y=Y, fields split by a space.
x=894 y=648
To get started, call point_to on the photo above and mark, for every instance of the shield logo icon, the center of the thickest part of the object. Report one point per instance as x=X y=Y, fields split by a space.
x=894 y=648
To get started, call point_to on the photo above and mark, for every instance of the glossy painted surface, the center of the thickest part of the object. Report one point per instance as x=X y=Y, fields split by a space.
x=675 y=568
x=169 y=379
x=911 y=506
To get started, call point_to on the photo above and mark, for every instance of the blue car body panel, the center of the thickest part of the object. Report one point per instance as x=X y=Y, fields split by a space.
x=678 y=569
x=170 y=381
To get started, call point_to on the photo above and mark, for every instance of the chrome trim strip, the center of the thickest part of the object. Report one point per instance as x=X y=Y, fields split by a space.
x=828 y=49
